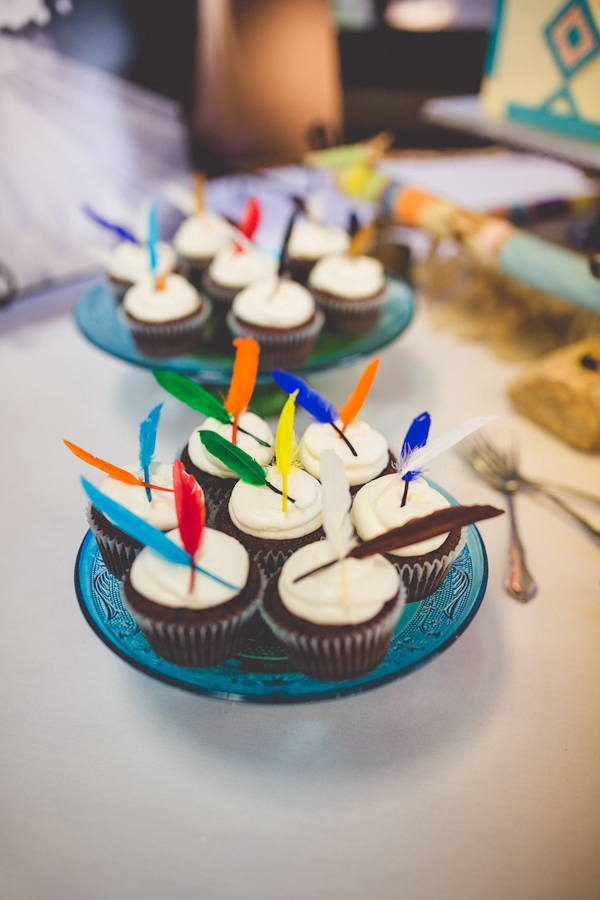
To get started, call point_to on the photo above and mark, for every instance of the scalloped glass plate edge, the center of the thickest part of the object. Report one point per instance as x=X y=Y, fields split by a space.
x=422 y=635
x=96 y=316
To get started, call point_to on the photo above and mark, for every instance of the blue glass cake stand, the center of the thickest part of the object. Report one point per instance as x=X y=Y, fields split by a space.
x=97 y=316
x=261 y=673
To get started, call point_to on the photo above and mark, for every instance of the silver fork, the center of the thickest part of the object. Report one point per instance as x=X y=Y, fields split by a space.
x=502 y=475
x=499 y=468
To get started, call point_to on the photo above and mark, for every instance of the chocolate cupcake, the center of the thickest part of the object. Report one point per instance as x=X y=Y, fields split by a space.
x=197 y=241
x=254 y=515
x=378 y=507
x=351 y=290
x=199 y=624
x=338 y=623
x=281 y=315
x=310 y=241
x=166 y=317
x=231 y=270
x=117 y=548
x=214 y=477
x=128 y=263
x=335 y=615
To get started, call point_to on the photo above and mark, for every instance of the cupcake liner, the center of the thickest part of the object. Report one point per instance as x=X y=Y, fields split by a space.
x=118 y=549
x=196 y=638
x=351 y=317
x=280 y=347
x=176 y=338
x=217 y=491
x=332 y=652
x=269 y=554
x=423 y=579
x=300 y=269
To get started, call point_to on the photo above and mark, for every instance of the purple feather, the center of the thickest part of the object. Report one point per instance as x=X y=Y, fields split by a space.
x=318 y=407
x=148 y=430
x=121 y=232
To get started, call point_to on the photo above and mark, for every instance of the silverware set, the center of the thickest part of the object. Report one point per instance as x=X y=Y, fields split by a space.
x=499 y=468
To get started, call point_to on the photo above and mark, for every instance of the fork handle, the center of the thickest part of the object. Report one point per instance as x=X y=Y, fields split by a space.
x=519 y=582
x=594 y=532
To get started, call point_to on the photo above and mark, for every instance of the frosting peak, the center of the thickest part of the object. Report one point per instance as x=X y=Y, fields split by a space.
x=274 y=303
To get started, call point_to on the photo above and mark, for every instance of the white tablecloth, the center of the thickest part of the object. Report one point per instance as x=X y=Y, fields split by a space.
x=477 y=776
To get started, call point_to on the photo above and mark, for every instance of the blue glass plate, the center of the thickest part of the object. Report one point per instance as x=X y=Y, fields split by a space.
x=97 y=319
x=261 y=673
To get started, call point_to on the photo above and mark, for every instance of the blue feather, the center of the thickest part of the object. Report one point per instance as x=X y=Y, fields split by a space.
x=142 y=532
x=153 y=237
x=318 y=407
x=416 y=437
x=121 y=232
x=417 y=434
x=148 y=443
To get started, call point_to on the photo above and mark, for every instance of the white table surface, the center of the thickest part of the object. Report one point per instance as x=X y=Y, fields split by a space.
x=477 y=776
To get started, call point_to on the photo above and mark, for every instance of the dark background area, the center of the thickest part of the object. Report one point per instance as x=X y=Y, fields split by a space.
x=386 y=74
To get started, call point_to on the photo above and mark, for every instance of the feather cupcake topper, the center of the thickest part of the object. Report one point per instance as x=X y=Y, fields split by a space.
x=191 y=512
x=363 y=240
x=243 y=379
x=250 y=220
x=240 y=462
x=359 y=394
x=416 y=452
x=198 y=398
x=283 y=252
x=119 y=230
x=153 y=238
x=114 y=471
x=148 y=430
x=146 y=534
x=286 y=447
x=336 y=502
x=417 y=530
x=320 y=408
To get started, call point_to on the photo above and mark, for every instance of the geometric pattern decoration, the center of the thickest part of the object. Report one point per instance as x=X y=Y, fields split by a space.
x=573 y=37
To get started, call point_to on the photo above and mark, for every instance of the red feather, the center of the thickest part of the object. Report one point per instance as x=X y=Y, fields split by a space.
x=249 y=221
x=191 y=511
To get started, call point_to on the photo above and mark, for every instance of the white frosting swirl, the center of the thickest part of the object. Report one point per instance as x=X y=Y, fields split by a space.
x=257 y=510
x=177 y=300
x=160 y=510
x=351 y=277
x=312 y=240
x=274 y=303
x=233 y=268
x=131 y=262
x=168 y=583
x=202 y=235
x=378 y=507
x=346 y=593
x=204 y=460
x=371 y=448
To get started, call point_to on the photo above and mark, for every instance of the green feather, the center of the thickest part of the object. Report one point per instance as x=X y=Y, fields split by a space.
x=192 y=394
x=240 y=462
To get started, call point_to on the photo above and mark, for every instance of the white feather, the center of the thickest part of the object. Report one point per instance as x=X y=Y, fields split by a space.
x=336 y=499
x=444 y=441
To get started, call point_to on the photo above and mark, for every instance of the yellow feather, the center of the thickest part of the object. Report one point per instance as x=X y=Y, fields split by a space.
x=286 y=448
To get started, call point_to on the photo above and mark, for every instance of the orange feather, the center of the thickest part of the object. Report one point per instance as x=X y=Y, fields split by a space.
x=359 y=394
x=243 y=378
x=363 y=239
x=114 y=471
